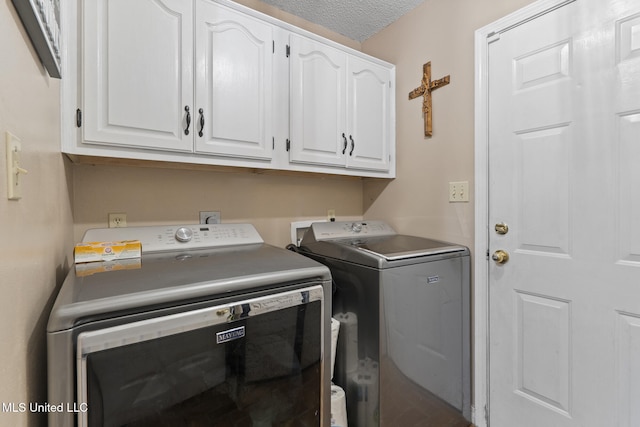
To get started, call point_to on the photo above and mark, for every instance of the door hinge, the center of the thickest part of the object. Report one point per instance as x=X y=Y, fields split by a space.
x=288 y=50
x=273 y=46
x=288 y=145
x=492 y=37
x=273 y=143
x=78 y=118
x=487 y=254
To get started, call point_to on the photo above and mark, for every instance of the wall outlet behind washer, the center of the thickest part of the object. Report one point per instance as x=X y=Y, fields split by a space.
x=117 y=220
x=209 y=217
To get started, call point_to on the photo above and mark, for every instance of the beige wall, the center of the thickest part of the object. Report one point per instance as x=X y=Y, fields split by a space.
x=36 y=238
x=164 y=196
x=441 y=32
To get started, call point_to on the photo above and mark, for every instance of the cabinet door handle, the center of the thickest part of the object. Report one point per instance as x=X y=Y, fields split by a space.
x=186 y=130
x=201 y=111
x=353 y=145
x=344 y=150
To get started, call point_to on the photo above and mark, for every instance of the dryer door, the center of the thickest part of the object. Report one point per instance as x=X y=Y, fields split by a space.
x=257 y=360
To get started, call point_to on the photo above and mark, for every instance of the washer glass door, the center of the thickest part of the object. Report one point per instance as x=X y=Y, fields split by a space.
x=254 y=362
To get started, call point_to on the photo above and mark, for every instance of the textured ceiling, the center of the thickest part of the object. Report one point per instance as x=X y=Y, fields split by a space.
x=356 y=19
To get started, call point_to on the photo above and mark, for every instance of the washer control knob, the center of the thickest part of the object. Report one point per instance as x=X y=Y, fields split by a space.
x=356 y=227
x=184 y=234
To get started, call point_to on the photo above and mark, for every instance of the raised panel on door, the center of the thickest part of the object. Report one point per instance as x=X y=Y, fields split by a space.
x=628 y=134
x=317 y=103
x=138 y=64
x=233 y=83
x=369 y=115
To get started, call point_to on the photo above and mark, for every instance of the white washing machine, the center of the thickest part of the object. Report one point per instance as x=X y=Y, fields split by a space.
x=209 y=327
x=404 y=307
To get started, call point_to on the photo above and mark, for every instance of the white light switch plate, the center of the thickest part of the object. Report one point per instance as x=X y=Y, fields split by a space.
x=14 y=170
x=459 y=191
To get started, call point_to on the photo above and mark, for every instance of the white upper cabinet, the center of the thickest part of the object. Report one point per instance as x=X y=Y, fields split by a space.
x=138 y=62
x=234 y=55
x=369 y=115
x=216 y=83
x=318 y=103
x=139 y=77
x=340 y=108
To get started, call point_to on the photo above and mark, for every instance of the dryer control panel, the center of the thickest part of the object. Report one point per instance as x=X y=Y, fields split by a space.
x=349 y=229
x=179 y=237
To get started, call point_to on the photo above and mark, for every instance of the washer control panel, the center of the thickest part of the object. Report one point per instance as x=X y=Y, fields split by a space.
x=350 y=229
x=177 y=237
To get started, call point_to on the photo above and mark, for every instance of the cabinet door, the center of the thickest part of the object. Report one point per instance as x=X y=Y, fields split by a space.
x=317 y=102
x=138 y=63
x=234 y=56
x=369 y=115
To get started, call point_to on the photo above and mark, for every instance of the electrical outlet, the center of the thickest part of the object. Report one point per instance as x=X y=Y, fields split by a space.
x=209 y=217
x=459 y=191
x=117 y=220
x=331 y=215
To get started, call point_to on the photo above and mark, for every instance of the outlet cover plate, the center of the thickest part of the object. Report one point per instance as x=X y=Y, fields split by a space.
x=14 y=180
x=117 y=220
x=209 y=217
x=459 y=191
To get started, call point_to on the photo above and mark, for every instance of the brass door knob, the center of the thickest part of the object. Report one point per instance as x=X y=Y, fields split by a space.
x=502 y=228
x=500 y=256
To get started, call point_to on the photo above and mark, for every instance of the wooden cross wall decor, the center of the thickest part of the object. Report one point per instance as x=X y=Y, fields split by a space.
x=425 y=91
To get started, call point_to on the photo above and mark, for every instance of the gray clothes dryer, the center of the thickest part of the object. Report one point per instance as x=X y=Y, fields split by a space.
x=210 y=326
x=403 y=303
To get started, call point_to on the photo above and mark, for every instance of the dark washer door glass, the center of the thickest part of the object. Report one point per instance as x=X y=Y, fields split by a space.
x=266 y=371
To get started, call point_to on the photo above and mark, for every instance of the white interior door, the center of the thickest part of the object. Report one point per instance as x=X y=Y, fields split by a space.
x=564 y=150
